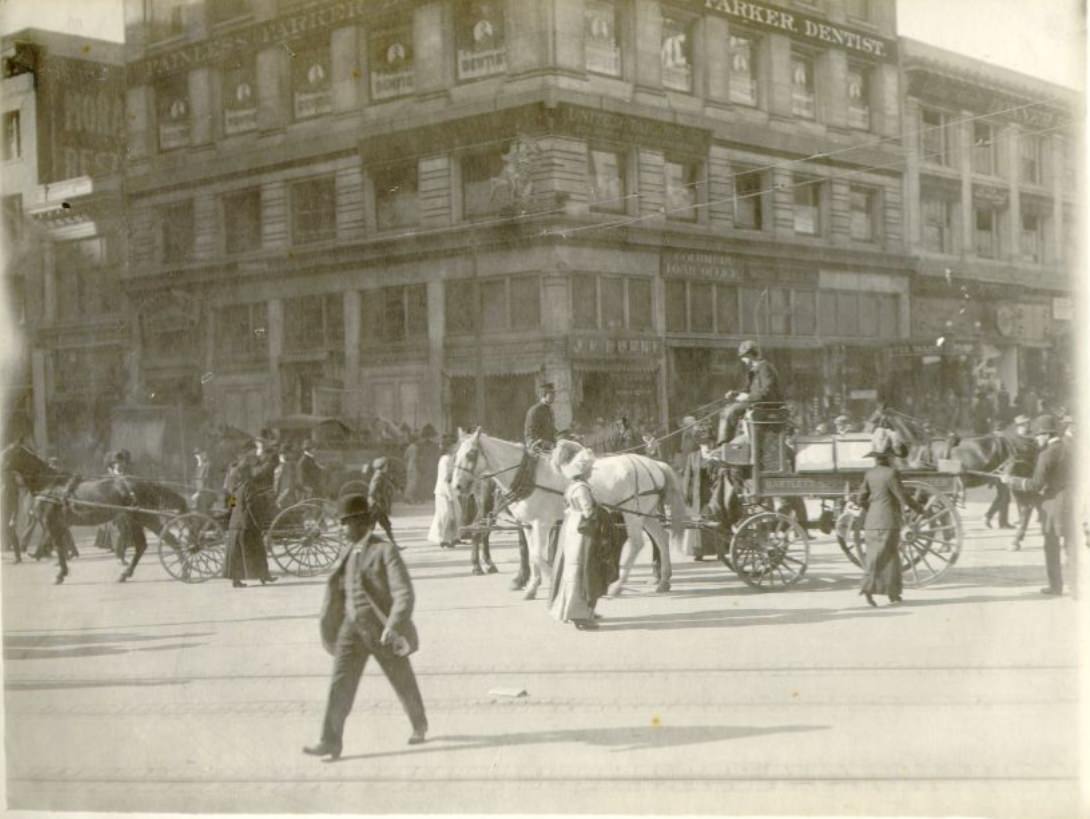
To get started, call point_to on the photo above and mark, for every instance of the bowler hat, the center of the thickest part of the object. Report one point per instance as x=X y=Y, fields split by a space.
x=1021 y=419
x=1044 y=425
x=351 y=506
x=428 y=431
x=548 y=386
x=748 y=347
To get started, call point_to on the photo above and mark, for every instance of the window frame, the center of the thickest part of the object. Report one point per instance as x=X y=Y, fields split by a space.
x=691 y=213
x=403 y=81
x=247 y=12
x=463 y=35
x=315 y=53
x=800 y=55
x=950 y=233
x=229 y=202
x=991 y=170
x=1038 y=236
x=816 y=184
x=761 y=176
x=168 y=221
x=398 y=172
x=622 y=157
x=410 y=334
x=174 y=31
x=1037 y=178
x=619 y=23
x=865 y=72
x=12 y=126
x=874 y=213
x=246 y=65
x=754 y=85
x=181 y=80
x=688 y=23
x=252 y=351
x=947 y=158
x=993 y=213
x=312 y=235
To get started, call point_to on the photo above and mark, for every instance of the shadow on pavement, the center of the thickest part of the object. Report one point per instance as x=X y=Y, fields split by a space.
x=48 y=640
x=64 y=685
x=634 y=738
x=86 y=651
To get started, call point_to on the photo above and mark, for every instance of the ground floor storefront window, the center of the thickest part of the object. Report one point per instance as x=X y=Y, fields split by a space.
x=506 y=400
x=600 y=397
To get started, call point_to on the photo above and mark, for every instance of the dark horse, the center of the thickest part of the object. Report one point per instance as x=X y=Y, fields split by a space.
x=66 y=500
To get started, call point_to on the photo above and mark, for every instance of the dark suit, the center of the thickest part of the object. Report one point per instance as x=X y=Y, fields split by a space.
x=353 y=639
x=1049 y=483
x=762 y=387
x=309 y=476
x=540 y=425
x=882 y=495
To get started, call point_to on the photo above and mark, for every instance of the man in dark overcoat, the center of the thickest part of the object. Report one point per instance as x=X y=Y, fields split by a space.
x=369 y=573
x=1051 y=482
x=539 y=429
x=762 y=387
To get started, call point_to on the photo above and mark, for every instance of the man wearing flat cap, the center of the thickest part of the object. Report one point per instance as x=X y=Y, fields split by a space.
x=367 y=611
x=539 y=430
x=1050 y=482
x=762 y=387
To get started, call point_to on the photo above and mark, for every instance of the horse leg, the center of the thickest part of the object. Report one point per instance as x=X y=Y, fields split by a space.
x=59 y=535
x=658 y=536
x=474 y=554
x=539 y=564
x=139 y=546
x=629 y=551
x=486 y=554
x=523 y=575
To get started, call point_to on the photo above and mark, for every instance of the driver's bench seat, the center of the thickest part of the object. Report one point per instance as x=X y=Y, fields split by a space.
x=761 y=441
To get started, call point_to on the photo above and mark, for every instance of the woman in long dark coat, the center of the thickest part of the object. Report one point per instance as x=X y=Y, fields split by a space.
x=250 y=489
x=882 y=496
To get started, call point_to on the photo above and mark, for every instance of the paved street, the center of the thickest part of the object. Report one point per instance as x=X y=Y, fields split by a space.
x=157 y=695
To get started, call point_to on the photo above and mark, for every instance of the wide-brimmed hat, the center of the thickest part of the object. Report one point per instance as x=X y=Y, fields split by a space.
x=380 y=462
x=352 y=506
x=845 y=419
x=1021 y=419
x=1044 y=425
x=572 y=459
x=881 y=443
x=748 y=347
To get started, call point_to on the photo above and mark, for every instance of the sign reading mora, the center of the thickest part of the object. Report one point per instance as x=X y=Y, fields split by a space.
x=803 y=27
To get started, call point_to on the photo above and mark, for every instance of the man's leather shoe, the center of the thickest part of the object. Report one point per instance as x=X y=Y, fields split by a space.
x=323 y=749
x=418 y=738
x=1051 y=591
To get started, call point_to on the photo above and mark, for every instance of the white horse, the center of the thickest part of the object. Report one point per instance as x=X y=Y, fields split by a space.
x=636 y=485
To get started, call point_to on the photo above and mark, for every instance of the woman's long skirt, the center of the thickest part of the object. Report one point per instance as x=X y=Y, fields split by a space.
x=246 y=556
x=569 y=599
x=883 y=570
x=444 y=524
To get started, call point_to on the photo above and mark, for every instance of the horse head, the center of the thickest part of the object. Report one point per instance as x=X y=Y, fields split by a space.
x=467 y=462
x=20 y=459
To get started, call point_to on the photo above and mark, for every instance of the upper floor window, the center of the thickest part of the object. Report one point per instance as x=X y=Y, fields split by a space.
x=242 y=332
x=606 y=185
x=1031 y=244
x=312 y=80
x=1030 y=151
x=682 y=189
x=859 y=97
x=395 y=196
x=987 y=232
x=602 y=41
x=12 y=216
x=749 y=190
x=983 y=148
x=937 y=228
x=481 y=43
x=701 y=307
x=493 y=305
x=239 y=95
x=314 y=323
x=392 y=315
x=13 y=137
x=391 y=62
x=852 y=314
x=610 y=302
x=176 y=223
x=164 y=18
x=864 y=214
x=677 y=52
x=223 y=11
x=936 y=138
x=742 y=81
x=802 y=85
x=807 y=211
x=314 y=210
x=172 y=105
x=858 y=9
x=87 y=281
x=242 y=221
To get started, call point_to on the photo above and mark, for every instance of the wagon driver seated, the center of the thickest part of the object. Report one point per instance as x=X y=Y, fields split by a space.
x=539 y=435
x=762 y=387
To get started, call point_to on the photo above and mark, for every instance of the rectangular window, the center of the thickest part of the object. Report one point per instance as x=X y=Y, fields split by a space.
x=864 y=213
x=304 y=324
x=1030 y=151
x=935 y=138
x=314 y=210
x=677 y=52
x=639 y=305
x=416 y=311
x=1031 y=237
x=334 y=320
x=85 y=283
x=12 y=217
x=481 y=195
x=391 y=63
x=239 y=94
x=584 y=296
x=847 y=313
x=172 y=106
x=242 y=332
x=983 y=148
x=176 y=223
x=742 y=80
x=392 y=315
x=779 y=311
x=606 y=172
x=868 y=314
x=726 y=308
x=985 y=233
x=395 y=196
x=493 y=305
x=601 y=38
x=804 y=312
x=460 y=299
x=13 y=137
x=701 y=307
x=682 y=189
x=802 y=86
x=612 y=292
x=859 y=97
x=748 y=199
x=754 y=311
x=242 y=221
x=525 y=303
x=807 y=193
x=677 y=311
x=937 y=228
x=889 y=316
x=482 y=49
x=164 y=19
x=312 y=80
x=826 y=315
x=222 y=11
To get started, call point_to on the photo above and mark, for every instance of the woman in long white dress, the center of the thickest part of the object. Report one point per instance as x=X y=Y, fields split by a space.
x=444 y=524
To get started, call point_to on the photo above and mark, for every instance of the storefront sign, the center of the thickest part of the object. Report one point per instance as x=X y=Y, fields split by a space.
x=240 y=100
x=803 y=27
x=1024 y=321
x=482 y=50
x=608 y=126
x=695 y=264
x=599 y=346
x=392 y=64
x=1063 y=309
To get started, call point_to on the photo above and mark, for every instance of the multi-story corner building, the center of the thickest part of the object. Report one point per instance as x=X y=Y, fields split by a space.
x=63 y=140
x=991 y=189
x=420 y=209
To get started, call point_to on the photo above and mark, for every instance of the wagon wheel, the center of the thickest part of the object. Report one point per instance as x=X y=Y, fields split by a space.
x=849 y=534
x=770 y=549
x=191 y=547
x=931 y=542
x=305 y=539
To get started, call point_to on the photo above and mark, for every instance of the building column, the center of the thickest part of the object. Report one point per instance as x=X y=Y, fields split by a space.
x=275 y=333
x=527 y=36
x=1009 y=139
x=433 y=65
x=273 y=86
x=39 y=388
x=140 y=124
x=716 y=60
x=830 y=87
x=658 y=323
x=1054 y=167
x=344 y=52
x=912 y=193
x=434 y=411
x=965 y=166
x=353 y=403
x=647 y=61
x=568 y=47
x=202 y=106
x=49 y=283
x=775 y=61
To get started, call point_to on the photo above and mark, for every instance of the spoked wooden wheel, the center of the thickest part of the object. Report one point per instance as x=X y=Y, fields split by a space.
x=770 y=549
x=305 y=539
x=849 y=534
x=930 y=542
x=192 y=547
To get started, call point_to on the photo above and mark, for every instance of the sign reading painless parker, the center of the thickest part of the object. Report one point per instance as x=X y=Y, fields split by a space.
x=81 y=118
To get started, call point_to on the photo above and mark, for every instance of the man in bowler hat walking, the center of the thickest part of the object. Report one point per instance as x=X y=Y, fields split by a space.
x=369 y=573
